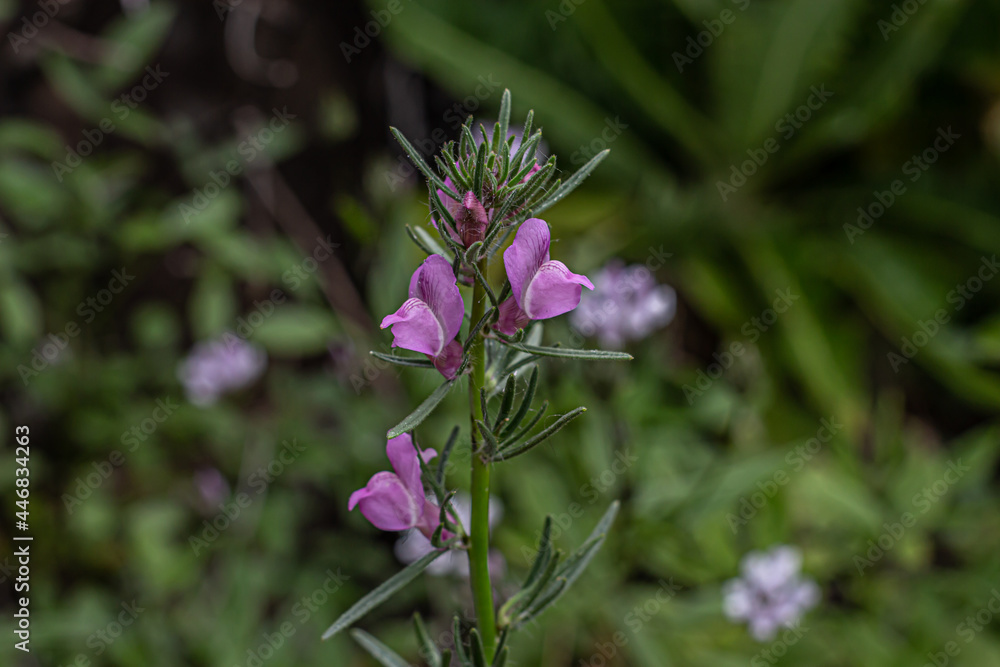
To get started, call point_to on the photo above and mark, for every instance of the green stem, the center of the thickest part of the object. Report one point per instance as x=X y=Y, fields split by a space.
x=479 y=549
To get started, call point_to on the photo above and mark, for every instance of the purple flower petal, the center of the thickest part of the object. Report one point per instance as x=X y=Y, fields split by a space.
x=542 y=288
x=449 y=360
x=403 y=457
x=396 y=501
x=414 y=327
x=554 y=290
x=526 y=255
x=387 y=503
x=512 y=317
x=432 y=316
x=434 y=284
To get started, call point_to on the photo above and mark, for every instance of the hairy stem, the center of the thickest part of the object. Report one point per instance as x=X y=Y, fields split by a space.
x=482 y=588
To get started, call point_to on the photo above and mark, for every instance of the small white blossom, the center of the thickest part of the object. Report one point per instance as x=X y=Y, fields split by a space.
x=771 y=593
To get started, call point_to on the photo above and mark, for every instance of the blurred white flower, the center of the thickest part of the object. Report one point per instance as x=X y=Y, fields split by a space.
x=220 y=366
x=412 y=545
x=627 y=304
x=771 y=593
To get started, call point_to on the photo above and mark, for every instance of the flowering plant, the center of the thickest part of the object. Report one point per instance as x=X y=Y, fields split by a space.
x=485 y=189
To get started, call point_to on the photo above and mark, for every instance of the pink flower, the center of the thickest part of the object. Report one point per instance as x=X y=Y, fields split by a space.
x=542 y=288
x=396 y=501
x=430 y=319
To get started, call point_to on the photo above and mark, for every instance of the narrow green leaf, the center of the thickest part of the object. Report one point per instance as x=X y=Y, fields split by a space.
x=502 y=650
x=382 y=593
x=479 y=176
x=419 y=241
x=412 y=362
x=568 y=353
x=486 y=286
x=506 y=403
x=474 y=331
x=425 y=169
x=574 y=566
x=477 y=650
x=463 y=656
x=378 y=650
x=490 y=440
x=526 y=151
x=427 y=240
x=445 y=222
x=428 y=650
x=468 y=142
x=503 y=118
x=526 y=597
x=544 y=553
x=522 y=410
x=482 y=404
x=571 y=184
x=530 y=425
x=424 y=409
x=445 y=455
x=510 y=451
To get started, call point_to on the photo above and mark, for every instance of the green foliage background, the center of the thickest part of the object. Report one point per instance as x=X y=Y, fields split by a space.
x=581 y=67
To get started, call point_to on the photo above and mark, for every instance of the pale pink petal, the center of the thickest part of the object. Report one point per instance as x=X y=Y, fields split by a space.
x=387 y=503
x=415 y=327
x=526 y=255
x=553 y=290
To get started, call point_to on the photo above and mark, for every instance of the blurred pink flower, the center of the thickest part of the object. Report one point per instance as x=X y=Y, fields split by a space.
x=220 y=366
x=770 y=594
